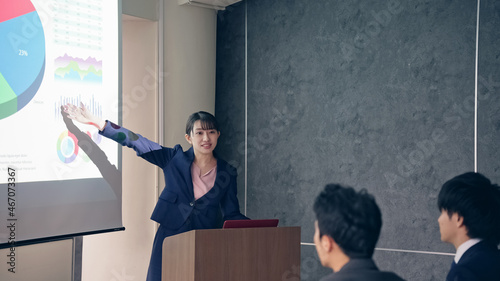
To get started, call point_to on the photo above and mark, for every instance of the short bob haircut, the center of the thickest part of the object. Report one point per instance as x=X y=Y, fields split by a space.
x=473 y=197
x=208 y=121
x=351 y=218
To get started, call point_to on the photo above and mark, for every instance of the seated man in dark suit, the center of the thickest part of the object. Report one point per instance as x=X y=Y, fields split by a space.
x=470 y=220
x=347 y=226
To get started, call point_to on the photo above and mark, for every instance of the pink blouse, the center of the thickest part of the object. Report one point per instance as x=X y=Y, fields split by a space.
x=202 y=183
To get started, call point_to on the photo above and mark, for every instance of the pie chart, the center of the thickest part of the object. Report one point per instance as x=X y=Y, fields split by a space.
x=22 y=55
x=67 y=147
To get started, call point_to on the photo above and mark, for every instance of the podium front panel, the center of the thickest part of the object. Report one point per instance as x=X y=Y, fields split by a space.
x=256 y=254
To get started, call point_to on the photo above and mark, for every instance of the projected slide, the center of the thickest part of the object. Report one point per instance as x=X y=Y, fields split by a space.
x=52 y=53
x=60 y=176
x=23 y=46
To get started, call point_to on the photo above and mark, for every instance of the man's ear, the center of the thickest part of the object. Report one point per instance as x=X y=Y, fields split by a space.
x=460 y=220
x=327 y=243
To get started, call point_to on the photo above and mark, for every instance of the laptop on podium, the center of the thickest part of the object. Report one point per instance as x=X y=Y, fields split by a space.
x=250 y=223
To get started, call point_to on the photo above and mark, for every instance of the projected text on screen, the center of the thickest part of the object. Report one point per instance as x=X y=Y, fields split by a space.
x=52 y=53
x=67 y=177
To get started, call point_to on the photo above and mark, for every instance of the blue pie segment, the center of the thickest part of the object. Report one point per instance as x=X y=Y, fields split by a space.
x=22 y=55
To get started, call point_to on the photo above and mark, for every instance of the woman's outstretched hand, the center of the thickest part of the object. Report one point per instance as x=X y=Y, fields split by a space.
x=82 y=115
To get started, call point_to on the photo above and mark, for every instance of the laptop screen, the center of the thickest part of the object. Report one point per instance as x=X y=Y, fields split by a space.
x=250 y=223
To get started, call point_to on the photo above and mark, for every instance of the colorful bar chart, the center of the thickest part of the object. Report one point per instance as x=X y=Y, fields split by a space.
x=91 y=104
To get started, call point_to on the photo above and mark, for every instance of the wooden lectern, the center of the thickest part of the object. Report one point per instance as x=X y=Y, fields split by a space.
x=242 y=254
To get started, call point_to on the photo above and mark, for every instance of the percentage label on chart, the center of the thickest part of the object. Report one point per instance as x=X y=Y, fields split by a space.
x=23 y=53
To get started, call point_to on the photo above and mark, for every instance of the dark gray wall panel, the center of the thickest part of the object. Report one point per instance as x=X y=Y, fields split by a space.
x=374 y=119
x=372 y=94
x=489 y=90
x=230 y=89
x=413 y=266
x=310 y=269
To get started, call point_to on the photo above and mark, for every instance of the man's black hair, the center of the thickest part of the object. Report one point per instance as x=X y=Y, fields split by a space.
x=473 y=197
x=351 y=218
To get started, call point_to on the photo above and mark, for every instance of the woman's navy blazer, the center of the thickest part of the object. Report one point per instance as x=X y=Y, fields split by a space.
x=176 y=208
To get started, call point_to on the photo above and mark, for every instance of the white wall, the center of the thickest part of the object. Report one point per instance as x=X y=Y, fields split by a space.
x=125 y=254
x=189 y=86
x=145 y=9
x=40 y=262
x=189 y=63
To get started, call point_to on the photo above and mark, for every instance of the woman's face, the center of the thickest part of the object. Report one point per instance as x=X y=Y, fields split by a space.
x=203 y=141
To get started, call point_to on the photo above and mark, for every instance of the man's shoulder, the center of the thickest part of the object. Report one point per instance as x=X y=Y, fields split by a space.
x=480 y=262
x=371 y=274
x=480 y=253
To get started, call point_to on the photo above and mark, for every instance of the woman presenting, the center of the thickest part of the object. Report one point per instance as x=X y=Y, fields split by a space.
x=197 y=183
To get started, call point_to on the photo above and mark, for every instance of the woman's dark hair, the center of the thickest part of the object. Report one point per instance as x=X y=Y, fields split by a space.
x=351 y=218
x=473 y=197
x=208 y=121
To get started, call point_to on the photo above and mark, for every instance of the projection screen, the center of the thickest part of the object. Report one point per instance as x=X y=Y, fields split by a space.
x=58 y=178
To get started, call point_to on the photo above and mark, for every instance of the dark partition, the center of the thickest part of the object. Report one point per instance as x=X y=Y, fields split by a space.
x=372 y=94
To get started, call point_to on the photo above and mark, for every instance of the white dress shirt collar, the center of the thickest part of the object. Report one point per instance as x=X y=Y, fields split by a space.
x=464 y=247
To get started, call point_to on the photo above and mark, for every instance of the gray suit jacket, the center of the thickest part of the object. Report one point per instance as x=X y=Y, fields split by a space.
x=361 y=270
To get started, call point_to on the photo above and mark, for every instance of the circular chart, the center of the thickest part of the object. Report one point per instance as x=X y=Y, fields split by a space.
x=67 y=147
x=22 y=55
